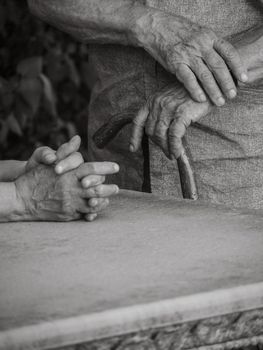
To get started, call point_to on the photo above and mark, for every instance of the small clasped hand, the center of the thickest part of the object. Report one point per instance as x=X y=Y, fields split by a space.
x=59 y=186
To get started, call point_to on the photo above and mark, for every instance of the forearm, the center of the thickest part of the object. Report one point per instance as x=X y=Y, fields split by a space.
x=10 y=206
x=11 y=169
x=124 y=22
x=99 y=21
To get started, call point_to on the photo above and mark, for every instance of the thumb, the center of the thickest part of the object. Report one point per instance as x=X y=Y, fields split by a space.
x=42 y=155
x=138 y=128
x=68 y=148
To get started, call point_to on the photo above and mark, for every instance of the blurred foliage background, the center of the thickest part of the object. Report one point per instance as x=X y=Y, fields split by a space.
x=44 y=84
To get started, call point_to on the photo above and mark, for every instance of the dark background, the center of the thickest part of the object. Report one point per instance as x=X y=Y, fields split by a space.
x=44 y=84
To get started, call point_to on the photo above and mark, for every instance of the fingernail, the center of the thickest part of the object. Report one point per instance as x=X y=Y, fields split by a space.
x=91 y=217
x=232 y=93
x=59 y=169
x=93 y=202
x=220 y=101
x=86 y=183
x=131 y=148
x=202 y=97
x=244 y=77
x=116 y=167
x=51 y=157
x=117 y=189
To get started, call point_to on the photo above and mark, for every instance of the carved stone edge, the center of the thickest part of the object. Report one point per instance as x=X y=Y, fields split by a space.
x=233 y=331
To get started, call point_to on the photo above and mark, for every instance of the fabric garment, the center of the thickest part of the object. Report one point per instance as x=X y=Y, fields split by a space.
x=226 y=147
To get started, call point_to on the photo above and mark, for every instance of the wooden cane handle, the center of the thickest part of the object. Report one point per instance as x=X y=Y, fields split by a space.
x=109 y=130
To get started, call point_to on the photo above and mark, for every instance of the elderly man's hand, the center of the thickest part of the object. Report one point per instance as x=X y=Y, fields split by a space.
x=198 y=58
x=165 y=117
x=44 y=195
x=169 y=112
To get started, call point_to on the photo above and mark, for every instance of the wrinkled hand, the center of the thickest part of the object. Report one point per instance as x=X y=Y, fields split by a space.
x=170 y=111
x=165 y=117
x=198 y=58
x=44 y=195
x=67 y=158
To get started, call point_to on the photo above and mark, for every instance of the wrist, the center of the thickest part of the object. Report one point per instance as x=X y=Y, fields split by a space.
x=143 y=28
x=11 y=206
x=153 y=27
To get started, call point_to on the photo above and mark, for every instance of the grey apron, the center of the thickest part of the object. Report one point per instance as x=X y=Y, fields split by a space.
x=226 y=147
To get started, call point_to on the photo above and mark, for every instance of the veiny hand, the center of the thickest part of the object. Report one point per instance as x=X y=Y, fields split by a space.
x=165 y=117
x=44 y=195
x=198 y=58
x=170 y=111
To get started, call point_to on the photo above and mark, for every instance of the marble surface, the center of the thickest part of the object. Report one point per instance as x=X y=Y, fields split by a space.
x=146 y=261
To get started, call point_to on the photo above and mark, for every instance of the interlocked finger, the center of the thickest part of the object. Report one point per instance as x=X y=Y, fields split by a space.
x=42 y=155
x=100 y=191
x=90 y=217
x=45 y=155
x=97 y=168
x=87 y=208
x=98 y=204
x=92 y=180
x=71 y=162
x=69 y=147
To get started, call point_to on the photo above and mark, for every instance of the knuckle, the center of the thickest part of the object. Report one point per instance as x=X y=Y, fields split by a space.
x=91 y=167
x=157 y=101
x=228 y=83
x=98 y=190
x=158 y=135
x=221 y=42
x=105 y=203
x=230 y=53
x=206 y=38
x=229 y=50
x=79 y=156
x=165 y=102
x=180 y=70
x=184 y=121
x=149 y=131
x=162 y=125
x=216 y=63
x=136 y=122
x=205 y=75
